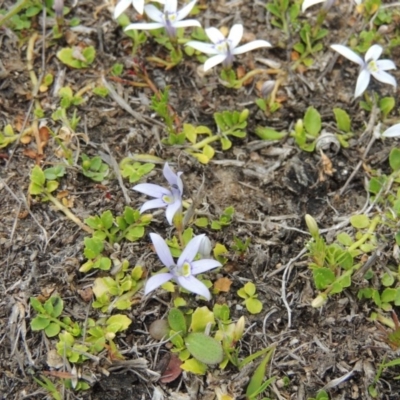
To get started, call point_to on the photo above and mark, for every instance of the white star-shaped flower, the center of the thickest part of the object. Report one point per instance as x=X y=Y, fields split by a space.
x=224 y=49
x=369 y=66
x=169 y=18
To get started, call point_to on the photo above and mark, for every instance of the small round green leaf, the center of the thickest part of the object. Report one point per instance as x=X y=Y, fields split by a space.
x=360 y=221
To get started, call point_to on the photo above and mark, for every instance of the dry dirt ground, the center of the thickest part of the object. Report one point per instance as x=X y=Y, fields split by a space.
x=271 y=185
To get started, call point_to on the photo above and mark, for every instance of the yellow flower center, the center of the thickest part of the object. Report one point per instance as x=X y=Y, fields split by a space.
x=222 y=47
x=167 y=199
x=186 y=270
x=372 y=67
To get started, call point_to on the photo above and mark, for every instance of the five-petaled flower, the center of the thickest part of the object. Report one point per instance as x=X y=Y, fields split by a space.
x=172 y=199
x=137 y=4
x=169 y=18
x=370 y=66
x=184 y=271
x=224 y=49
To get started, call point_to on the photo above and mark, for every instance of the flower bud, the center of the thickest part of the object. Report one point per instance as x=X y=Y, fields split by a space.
x=244 y=115
x=205 y=248
x=267 y=88
x=239 y=329
x=312 y=225
x=299 y=126
x=319 y=301
x=59 y=8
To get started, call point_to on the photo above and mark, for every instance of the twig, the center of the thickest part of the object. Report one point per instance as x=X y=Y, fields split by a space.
x=109 y=159
x=123 y=104
x=283 y=289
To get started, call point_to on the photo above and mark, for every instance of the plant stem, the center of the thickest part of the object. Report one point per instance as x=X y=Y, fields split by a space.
x=68 y=213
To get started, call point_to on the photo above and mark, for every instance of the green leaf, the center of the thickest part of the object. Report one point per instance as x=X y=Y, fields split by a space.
x=254 y=306
x=386 y=104
x=122 y=321
x=51 y=186
x=269 y=133
x=37 y=176
x=345 y=239
x=253 y=388
x=322 y=395
x=312 y=121
x=204 y=348
x=323 y=277
x=107 y=219
x=394 y=159
x=388 y=295
x=194 y=366
x=201 y=222
x=54 y=172
x=250 y=289
x=57 y=306
x=343 y=120
x=93 y=247
x=360 y=221
x=201 y=317
x=134 y=233
x=40 y=322
x=52 y=330
x=176 y=321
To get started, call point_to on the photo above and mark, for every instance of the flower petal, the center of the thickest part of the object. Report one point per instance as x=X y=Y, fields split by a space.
x=385 y=65
x=172 y=209
x=148 y=205
x=186 y=23
x=152 y=190
x=171 y=6
x=203 y=47
x=190 y=251
x=121 y=7
x=155 y=281
x=173 y=179
x=235 y=35
x=162 y=250
x=138 y=5
x=362 y=82
x=384 y=77
x=309 y=3
x=346 y=52
x=200 y=266
x=251 y=46
x=393 y=131
x=373 y=53
x=154 y=13
x=213 y=61
x=185 y=11
x=215 y=35
x=144 y=26
x=193 y=285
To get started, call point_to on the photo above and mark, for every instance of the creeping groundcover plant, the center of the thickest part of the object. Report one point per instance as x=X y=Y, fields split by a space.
x=181 y=253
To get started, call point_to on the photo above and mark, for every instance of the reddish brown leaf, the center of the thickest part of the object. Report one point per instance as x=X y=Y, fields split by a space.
x=173 y=369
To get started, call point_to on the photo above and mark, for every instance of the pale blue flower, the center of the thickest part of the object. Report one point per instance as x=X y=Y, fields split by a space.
x=369 y=66
x=185 y=269
x=169 y=18
x=224 y=49
x=171 y=199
